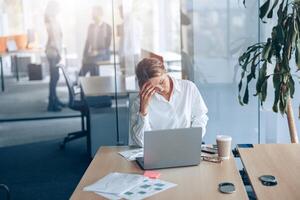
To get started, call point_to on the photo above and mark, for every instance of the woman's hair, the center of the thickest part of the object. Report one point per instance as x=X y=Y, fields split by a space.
x=52 y=9
x=149 y=68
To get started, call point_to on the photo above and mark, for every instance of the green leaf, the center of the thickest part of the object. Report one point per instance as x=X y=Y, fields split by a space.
x=254 y=65
x=261 y=77
x=284 y=93
x=246 y=96
x=270 y=14
x=291 y=87
x=245 y=62
x=277 y=84
x=280 y=13
x=264 y=89
x=240 y=100
x=266 y=49
x=240 y=85
x=295 y=33
x=278 y=34
x=297 y=54
x=264 y=9
x=281 y=104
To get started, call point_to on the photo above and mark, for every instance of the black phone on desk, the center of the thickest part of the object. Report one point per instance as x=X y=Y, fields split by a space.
x=245 y=145
x=210 y=150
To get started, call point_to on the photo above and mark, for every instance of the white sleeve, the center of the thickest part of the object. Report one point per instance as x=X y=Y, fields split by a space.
x=199 y=110
x=138 y=123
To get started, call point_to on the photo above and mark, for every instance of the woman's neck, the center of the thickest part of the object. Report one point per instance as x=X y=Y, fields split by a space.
x=167 y=94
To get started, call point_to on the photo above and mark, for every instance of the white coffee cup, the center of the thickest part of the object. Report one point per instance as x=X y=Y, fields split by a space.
x=224 y=146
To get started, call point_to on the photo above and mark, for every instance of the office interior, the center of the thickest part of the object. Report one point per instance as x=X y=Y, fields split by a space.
x=198 y=40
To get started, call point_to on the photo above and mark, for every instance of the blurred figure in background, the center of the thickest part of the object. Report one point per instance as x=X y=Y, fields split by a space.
x=54 y=48
x=130 y=33
x=97 y=43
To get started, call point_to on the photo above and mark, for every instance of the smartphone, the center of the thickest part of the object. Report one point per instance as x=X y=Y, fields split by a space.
x=245 y=145
x=209 y=150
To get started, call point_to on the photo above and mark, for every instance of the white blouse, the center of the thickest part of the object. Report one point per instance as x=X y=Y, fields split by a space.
x=185 y=109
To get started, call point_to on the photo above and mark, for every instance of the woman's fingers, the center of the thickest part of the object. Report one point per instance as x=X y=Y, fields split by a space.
x=149 y=92
x=144 y=86
x=152 y=93
x=146 y=90
x=143 y=89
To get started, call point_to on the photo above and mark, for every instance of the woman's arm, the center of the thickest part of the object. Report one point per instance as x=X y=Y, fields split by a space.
x=199 y=110
x=87 y=43
x=108 y=37
x=54 y=36
x=138 y=123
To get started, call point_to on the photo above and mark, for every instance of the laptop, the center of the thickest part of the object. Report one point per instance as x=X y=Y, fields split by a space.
x=171 y=148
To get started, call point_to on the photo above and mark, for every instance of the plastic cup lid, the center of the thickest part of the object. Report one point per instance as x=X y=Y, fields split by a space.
x=224 y=137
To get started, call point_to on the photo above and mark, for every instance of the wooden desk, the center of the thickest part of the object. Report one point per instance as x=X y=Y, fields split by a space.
x=197 y=182
x=105 y=85
x=279 y=160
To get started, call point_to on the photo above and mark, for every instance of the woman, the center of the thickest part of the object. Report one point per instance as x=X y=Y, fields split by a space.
x=53 y=52
x=164 y=102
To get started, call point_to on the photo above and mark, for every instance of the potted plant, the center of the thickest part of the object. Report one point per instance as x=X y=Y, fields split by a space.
x=280 y=51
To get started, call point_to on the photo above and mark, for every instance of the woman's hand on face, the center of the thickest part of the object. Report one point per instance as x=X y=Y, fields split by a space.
x=147 y=91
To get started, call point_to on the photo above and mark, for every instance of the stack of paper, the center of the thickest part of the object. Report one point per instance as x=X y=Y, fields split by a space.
x=128 y=186
x=132 y=154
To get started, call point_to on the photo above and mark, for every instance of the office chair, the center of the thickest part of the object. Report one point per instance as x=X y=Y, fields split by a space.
x=6 y=191
x=77 y=104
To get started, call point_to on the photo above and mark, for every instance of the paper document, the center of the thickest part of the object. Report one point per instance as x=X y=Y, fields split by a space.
x=116 y=186
x=132 y=154
x=116 y=183
x=148 y=188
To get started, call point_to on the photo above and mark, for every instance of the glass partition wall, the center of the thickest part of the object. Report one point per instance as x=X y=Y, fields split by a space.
x=220 y=31
x=215 y=36
x=199 y=40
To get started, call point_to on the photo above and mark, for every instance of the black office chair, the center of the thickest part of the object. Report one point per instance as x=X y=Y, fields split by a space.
x=77 y=104
x=6 y=191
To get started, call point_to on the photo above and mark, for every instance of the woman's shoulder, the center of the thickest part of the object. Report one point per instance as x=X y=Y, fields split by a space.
x=185 y=84
x=135 y=101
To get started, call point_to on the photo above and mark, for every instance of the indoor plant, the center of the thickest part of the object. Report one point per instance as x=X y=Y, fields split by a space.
x=278 y=53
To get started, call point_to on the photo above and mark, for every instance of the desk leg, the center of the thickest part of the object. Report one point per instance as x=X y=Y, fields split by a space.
x=17 y=67
x=88 y=126
x=2 y=75
x=88 y=138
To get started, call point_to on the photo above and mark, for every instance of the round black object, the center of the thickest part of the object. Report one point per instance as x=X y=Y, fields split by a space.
x=227 y=187
x=268 y=180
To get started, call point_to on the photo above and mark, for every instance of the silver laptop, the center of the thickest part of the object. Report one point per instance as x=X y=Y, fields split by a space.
x=171 y=148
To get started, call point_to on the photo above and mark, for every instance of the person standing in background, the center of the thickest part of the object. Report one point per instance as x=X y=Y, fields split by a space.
x=97 y=43
x=54 y=48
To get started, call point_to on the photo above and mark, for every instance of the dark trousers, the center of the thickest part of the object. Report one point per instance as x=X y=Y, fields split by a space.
x=92 y=68
x=54 y=77
x=90 y=63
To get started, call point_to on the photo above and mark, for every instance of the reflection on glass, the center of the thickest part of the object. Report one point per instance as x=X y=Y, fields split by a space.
x=130 y=33
x=54 y=50
x=97 y=45
x=218 y=32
